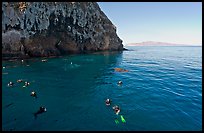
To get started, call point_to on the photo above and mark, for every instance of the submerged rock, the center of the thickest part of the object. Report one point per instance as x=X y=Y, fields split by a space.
x=120 y=70
x=39 y=29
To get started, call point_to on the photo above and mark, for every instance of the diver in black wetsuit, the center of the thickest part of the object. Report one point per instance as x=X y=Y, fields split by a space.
x=27 y=83
x=40 y=111
x=108 y=102
x=120 y=82
x=116 y=109
x=10 y=84
x=33 y=94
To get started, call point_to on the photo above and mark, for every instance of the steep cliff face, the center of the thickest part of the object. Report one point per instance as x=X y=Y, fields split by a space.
x=36 y=29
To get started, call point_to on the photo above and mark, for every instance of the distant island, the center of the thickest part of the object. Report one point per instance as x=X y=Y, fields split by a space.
x=153 y=43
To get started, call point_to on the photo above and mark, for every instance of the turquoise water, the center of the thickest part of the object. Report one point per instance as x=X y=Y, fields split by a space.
x=161 y=91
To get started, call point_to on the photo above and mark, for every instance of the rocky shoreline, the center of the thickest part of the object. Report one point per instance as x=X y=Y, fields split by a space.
x=44 y=29
x=16 y=58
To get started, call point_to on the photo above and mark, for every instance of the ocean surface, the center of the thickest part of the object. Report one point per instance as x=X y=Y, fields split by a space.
x=162 y=91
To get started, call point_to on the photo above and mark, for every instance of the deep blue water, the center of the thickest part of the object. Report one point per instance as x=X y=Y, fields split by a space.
x=161 y=91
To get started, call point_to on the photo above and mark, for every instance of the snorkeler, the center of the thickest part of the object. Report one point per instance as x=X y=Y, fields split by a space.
x=108 y=102
x=19 y=80
x=120 y=82
x=44 y=60
x=40 y=111
x=116 y=109
x=33 y=94
x=10 y=84
x=27 y=83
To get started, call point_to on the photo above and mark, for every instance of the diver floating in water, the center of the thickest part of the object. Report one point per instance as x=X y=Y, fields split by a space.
x=33 y=94
x=108 y=102
x=116 y=109
x=40 y=111
x=19 y=81
x=44 y=60
x=10 y=84
x=26 y=84
x=120 y=82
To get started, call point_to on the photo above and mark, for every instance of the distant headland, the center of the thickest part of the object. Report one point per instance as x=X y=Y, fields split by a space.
x=154 y=43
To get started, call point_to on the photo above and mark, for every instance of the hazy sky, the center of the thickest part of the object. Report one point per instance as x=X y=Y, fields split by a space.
x=173 y=22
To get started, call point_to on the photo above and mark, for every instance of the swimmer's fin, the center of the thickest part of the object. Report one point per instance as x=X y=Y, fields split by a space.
x=122 y=119
x=116 y=121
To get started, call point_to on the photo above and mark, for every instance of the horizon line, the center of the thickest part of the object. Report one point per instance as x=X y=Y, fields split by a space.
x=161 y=42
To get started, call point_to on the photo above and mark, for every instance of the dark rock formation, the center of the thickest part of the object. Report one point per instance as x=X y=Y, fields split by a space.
x=36 y=29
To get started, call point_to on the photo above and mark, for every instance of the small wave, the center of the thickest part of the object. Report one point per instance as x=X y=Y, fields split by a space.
x=4 y=73
x=174 y=92
x=145 y=65
x=70 y=66
x=74 y=65
x=192 y=67
x=89 y=60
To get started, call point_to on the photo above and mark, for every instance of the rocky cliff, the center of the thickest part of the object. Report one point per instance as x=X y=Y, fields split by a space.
x=38 y=29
